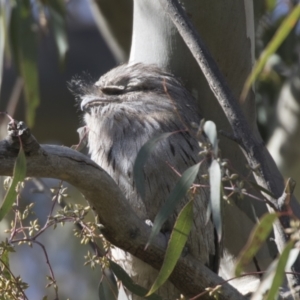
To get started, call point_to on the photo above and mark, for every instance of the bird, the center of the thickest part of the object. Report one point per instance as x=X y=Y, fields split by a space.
x=127 y=107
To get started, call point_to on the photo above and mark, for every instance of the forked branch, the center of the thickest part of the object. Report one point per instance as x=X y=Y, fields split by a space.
x=267 y=174
x=122 y=227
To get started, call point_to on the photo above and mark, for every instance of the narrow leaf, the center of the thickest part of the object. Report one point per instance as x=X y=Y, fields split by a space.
x=5 y=260
x=215 y=196
x=141 y=159
x=273 y=276
x=210 y=130
x=283 y=262
x=2 y=38
x=261 y=189
x=128 y=283
x=58 y=16
x=122 y=293
x=5 y=11
x=108 y=286
x=58 y=5
x=18 y=175
x=176 y=244
x=270 y=4
x=282 y=32
x=179 y=191
x=25 y=54
x=258 y=235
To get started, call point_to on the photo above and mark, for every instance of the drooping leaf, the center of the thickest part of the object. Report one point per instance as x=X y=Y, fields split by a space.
x=128 y=282
x=2 y=38
x=58 y=17
x=179 y=191
x=210 y=130
x=5 y=260
x=58 y=5
x=257 y=237
x=176 y=244
x=273 y=276
x=285 y=261
x=261 y=189
x=18 y=175
x=141 y=159
x=108 y=289
x=215 y=178
x=24 y=48
x=270 y=4
x=282 y=32
x=122 y=294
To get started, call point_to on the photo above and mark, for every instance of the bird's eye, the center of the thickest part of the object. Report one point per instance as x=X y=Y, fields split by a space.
x=113 y=89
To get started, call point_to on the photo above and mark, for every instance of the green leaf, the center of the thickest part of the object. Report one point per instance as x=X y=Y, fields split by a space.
x=18 y=175
x=108 y=286
x=215 y=196
x=141 y=159
x=279 y=272
x=274 y=275
x=210 y=130
x=5 y=9
x=24 y=48
x=122 y=293
x=179 y=191
x=270 y=4
x=58 y=16
x=176 y=244
x=57 y=5
x=2 y=38
x=128 y=283
x=5 y=260
x=261 y=189
x=258 y=235
x=282 y=32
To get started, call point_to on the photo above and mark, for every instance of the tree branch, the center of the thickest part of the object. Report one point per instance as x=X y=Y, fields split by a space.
x=256 y=153
x=122 y=227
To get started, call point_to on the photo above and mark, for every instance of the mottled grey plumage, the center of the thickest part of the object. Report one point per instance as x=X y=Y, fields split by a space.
x=127 y=107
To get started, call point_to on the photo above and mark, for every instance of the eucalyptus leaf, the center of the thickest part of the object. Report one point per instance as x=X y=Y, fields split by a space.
x=282 y=32
x=24 y=48
x=257 y=237
x=58 y=17
x=274 y=275
x=179 y=191
x=5 y=260
x=270 y=4
x=128 y=282
x=261 y=189
x=210 y=130
x=215 y=178
x=176 y=244
x=285 y=261
x=2 y=38
x=122 y=293
x=19 y=174
x=108 y=289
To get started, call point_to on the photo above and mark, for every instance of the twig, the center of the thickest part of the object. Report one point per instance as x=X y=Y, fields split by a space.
x=13 y=276
x=121 y=226
x=253 y=149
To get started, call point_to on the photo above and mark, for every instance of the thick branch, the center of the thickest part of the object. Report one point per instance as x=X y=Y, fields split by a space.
x=122 y=227
x=253 y=148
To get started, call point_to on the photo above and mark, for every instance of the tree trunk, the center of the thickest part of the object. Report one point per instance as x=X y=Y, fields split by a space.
x=156 y=40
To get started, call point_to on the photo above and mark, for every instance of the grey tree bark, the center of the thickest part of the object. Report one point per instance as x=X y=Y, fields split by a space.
x=121 y=226
x=156 y=40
